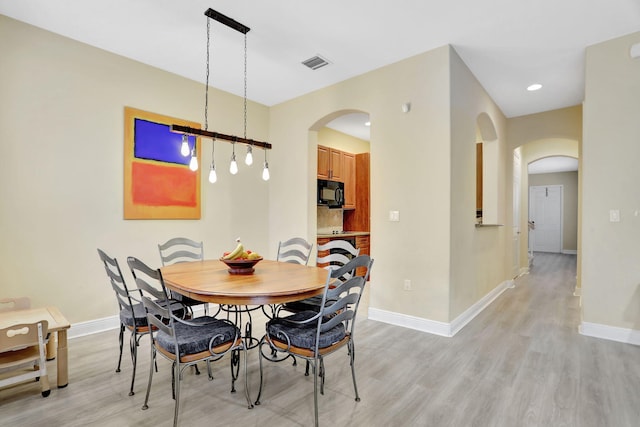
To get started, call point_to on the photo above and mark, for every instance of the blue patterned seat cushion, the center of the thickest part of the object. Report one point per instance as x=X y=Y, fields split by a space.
x=304 y=336
x=139 y=313
x=195 y=339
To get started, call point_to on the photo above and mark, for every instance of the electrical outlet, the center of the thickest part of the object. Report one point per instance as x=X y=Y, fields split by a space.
x=407 y=284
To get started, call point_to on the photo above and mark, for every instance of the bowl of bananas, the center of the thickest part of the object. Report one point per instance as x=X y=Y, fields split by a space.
x=241 y=261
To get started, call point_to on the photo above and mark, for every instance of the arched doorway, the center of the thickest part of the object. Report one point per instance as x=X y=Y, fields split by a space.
x=529 y=153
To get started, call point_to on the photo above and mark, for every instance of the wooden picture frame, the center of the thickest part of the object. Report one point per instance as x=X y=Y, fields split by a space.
x=158 y=183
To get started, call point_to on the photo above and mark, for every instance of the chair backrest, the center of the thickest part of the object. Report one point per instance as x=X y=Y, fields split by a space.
x=340 y=300
x=13 y=304
x=336 y=256
x=119 y=286
x=21 y=344
x=295 y=250
x=16 y=337
x=180 y=249
x=154 y=295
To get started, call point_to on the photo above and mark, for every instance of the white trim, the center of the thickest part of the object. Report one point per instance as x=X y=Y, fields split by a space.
x=435 y=327
x=469 y=314
x=570 y=251
x=412 y=322
x=94 y=326
x=106 y=324
x=613 y=333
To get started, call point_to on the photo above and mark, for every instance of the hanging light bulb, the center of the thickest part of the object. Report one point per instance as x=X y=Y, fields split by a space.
x=184 y=148
x=265 y=171
x=213 y=177
x=249 y=159
x=193 y=163
x=233 y=167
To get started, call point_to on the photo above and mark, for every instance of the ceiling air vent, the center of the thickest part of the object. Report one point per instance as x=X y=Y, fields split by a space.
x=315 y=62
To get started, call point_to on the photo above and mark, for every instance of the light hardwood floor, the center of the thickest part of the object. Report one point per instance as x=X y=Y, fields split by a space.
x=519 y=363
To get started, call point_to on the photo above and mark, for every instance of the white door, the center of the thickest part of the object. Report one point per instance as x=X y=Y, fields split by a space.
x=516 y=213
x=545 y=210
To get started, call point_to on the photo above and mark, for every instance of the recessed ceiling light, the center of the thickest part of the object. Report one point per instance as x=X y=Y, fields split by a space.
x=367 y=123
x=535 y=86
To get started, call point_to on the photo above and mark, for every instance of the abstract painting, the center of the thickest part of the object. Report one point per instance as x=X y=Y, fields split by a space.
x=158 y=183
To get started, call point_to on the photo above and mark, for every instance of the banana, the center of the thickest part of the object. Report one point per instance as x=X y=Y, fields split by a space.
x=236 y=252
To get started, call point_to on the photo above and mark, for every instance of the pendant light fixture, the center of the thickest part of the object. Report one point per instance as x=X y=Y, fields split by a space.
x=265 y=170
x=233 y=166
x=184 y=148
x=186 y=130
x=213 y=177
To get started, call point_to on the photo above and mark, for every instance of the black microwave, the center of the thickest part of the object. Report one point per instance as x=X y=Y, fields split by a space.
x=330 y=193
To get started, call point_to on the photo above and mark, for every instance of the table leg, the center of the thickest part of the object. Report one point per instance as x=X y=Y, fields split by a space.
x=63 y=374
x=51 y=346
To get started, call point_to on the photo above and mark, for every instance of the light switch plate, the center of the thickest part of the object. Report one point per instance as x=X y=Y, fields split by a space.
x=394 y=216
x=614 y=215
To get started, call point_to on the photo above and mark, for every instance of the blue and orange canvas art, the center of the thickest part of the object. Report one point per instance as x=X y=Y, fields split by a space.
x=158 y=181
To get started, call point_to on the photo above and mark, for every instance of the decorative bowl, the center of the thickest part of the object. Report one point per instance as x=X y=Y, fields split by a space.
x=241 y=266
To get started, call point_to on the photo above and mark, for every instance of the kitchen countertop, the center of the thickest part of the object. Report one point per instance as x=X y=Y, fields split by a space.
x=343 y=234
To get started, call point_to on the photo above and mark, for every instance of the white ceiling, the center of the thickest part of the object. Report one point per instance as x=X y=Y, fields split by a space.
x=507 y=44
x=553 y=164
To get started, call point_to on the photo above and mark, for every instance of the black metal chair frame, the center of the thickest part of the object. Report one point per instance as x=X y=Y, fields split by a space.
x=127 y=300
x=175 y=251
x=339 y=304
x=158 y=304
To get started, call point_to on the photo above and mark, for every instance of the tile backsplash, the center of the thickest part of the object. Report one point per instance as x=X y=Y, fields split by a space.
x=329 y=220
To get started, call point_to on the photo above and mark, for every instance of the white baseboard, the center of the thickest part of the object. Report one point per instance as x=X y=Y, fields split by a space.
x=569 y=252
x=433 y=326
x=93 y=326
x=612 y=333
x=105 y=324
x=411 y=322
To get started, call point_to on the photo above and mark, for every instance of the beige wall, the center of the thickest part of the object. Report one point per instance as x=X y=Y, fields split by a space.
x=479 y=257
x=610 y=177
x=410 y=158
x=61 y=181
x=569 y=182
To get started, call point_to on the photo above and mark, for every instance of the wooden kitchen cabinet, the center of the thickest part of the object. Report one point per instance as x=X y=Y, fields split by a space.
x=358 y=219
x=362 y=242
x=349 y=174
x=330 y=163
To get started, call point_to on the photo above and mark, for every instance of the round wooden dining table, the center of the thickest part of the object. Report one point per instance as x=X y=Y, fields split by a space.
x=273 y=282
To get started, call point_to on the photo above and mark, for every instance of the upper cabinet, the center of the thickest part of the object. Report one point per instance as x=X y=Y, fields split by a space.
x=330 y=163
x=349 y=175
x=337 y=165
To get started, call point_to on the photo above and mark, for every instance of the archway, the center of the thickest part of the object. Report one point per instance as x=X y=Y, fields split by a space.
x=531 y=152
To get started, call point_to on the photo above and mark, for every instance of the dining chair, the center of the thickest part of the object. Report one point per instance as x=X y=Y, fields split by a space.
x=295 y=250
x=132 y=314
x=23 y=356
x=182 y=249
x=313 y=335
x=337 y=253
x=183 y=342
